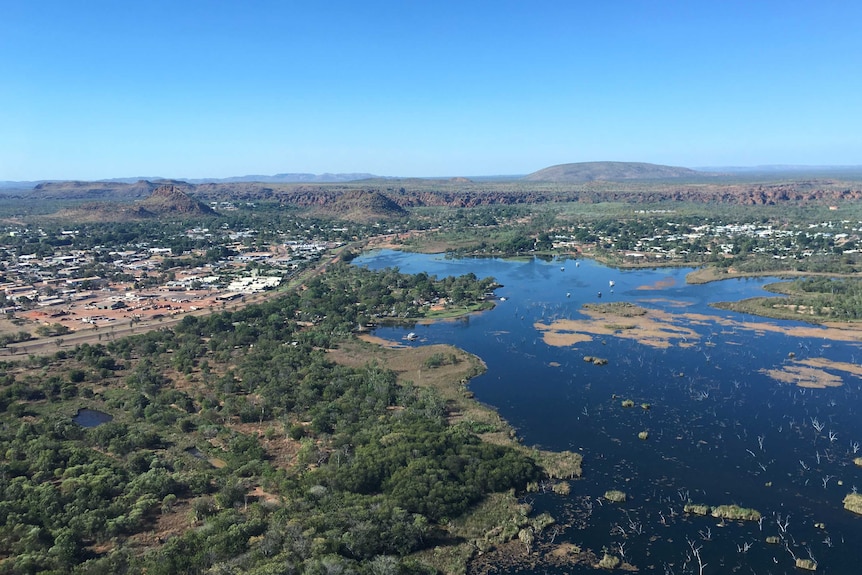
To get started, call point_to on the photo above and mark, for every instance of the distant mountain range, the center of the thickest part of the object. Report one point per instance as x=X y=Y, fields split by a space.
x=290 y=178
x=298 y=178
x=784 y=169
x=578 y=172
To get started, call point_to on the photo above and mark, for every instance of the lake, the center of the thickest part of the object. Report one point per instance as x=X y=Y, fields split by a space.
x=741 y=410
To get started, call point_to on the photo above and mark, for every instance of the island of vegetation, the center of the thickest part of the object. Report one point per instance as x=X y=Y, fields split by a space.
x=724 y=511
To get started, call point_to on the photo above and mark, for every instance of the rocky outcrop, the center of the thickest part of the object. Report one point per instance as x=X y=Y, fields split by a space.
x=170 y=199
x=390 y=197
x=363 y=206
x=166 y=200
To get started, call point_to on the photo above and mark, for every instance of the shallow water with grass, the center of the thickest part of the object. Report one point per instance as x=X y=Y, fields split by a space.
x=695 y=406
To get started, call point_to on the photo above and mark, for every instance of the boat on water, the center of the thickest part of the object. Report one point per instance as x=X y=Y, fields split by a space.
x=412 y=336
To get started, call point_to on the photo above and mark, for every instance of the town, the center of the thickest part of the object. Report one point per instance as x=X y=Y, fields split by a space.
x=51 y=287
x=58 y=280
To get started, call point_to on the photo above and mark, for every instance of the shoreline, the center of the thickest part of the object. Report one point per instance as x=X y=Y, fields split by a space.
x=500 y=513
x=701 y=274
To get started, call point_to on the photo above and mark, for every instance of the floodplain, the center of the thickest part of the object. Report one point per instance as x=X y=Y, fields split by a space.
x=737 y=411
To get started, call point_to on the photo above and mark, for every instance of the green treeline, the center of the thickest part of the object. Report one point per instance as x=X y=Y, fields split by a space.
x=815 y=300
x=830 y=298
x=238 y=446
x=346 y=295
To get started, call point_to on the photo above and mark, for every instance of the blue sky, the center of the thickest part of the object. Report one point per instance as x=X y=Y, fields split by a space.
x=209 y=88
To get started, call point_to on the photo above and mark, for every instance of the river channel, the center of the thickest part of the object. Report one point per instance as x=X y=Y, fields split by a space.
x=738 y=410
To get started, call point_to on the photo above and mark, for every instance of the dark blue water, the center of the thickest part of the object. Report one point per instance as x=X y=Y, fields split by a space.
x=721 y=430
x=91 y=417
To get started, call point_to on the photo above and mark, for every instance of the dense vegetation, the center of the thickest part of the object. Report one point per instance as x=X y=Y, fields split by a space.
x=814 y=299
x=346 y=295
x=237 y=440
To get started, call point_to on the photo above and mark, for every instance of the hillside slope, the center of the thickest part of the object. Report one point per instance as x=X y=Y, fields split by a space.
x=362 y=206
x=170 y=199
x=166 y=200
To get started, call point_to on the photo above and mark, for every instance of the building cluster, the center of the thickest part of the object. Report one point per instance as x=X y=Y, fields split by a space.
x=86 y=288
x=681 y=241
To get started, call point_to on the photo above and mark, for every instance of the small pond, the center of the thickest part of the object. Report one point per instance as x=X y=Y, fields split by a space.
x=91 y=417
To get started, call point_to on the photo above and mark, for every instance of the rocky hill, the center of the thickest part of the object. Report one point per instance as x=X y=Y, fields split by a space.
x=165 y=201
x=362 y=206
x=612 y=172
x=171 y=200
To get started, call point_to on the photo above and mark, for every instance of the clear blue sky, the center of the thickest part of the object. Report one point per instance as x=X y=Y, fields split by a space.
x=208 y=88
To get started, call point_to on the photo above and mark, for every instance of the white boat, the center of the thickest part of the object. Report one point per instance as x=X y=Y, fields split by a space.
x=412 y=336
x=611 y=283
